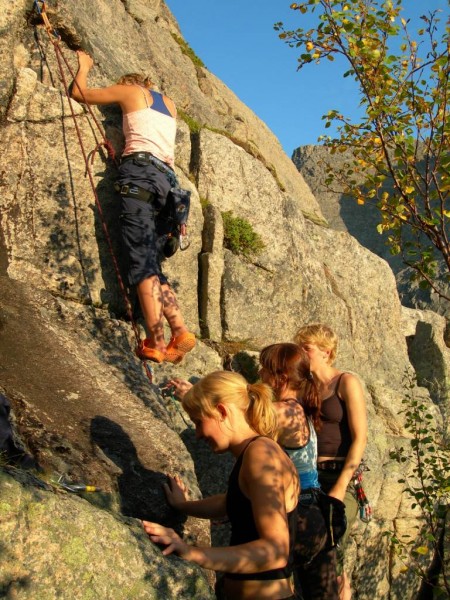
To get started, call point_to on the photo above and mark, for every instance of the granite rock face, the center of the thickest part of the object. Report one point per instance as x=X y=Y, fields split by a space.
x=344 y=214
x=52 y=548
x=82 y=403
x=427 y=337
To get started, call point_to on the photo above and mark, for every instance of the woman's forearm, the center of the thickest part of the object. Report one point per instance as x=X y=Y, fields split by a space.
x=213 y=507
x=253 y=557
x=79 y=84
x=351 y=463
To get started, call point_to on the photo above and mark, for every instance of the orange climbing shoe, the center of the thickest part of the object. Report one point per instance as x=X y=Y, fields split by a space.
x=179 y=346
x=174 y=356
x=144 y=352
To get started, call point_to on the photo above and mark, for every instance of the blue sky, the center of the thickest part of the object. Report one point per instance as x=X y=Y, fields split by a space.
x=236 y=41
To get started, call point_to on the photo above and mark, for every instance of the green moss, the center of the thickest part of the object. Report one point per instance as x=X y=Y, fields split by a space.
x=5 y=509
x=194 y=126
x=139 y=589
x=204 y=202
x=187 y=51
x=89 y=594
x=317 y=219
x=36 y=511
x=240 y=237
x=272 y=170
x=198 y=587
x=74 y=553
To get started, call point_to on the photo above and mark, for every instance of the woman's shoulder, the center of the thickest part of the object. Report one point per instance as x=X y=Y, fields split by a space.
x=262 y=449
x=349 y=385
x=264 y=458
x=347 y=378
x=261 y=443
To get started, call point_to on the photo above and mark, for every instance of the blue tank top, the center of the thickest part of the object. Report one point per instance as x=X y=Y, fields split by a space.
x=305 y=460
x=158 y=103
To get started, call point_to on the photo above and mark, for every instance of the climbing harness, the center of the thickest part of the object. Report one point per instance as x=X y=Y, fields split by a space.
x=135 y=191
x=174 y=212
x=149 y=159
x=55 y=38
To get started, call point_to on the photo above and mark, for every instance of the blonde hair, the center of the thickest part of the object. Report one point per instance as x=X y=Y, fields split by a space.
x=321 y=335
x=225 y=387
x=135 y=79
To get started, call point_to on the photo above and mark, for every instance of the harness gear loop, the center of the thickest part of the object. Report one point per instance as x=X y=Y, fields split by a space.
x=55 y=39
x=132 y=190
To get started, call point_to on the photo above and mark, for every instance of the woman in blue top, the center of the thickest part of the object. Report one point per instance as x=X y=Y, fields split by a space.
x=285 y=368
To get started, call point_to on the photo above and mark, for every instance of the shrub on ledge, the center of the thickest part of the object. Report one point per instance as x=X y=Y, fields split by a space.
x=240 y=237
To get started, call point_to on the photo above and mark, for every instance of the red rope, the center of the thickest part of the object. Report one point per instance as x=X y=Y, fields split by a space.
x=107 y=144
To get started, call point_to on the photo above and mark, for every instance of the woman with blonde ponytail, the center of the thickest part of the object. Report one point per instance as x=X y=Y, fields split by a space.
x=261 y=499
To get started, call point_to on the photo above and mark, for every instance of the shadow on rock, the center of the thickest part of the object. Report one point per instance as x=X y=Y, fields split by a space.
x=212 y=471
x=140 y=489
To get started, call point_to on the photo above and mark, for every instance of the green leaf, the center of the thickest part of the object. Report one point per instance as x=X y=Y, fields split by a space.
x=403 y=104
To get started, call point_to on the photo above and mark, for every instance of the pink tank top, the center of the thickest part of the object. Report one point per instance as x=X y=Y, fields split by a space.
x=150 y=130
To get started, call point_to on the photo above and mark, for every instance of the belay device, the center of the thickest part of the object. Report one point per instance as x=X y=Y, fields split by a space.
x=175 y=215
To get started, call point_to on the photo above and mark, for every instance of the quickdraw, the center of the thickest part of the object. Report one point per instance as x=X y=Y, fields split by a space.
x=165 y=391
x=365 y=508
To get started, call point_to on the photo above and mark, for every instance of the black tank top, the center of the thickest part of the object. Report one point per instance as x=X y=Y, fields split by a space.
x=243 y=528
x=334 y=437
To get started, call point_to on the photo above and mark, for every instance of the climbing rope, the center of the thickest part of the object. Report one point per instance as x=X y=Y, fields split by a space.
x=55 y=38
